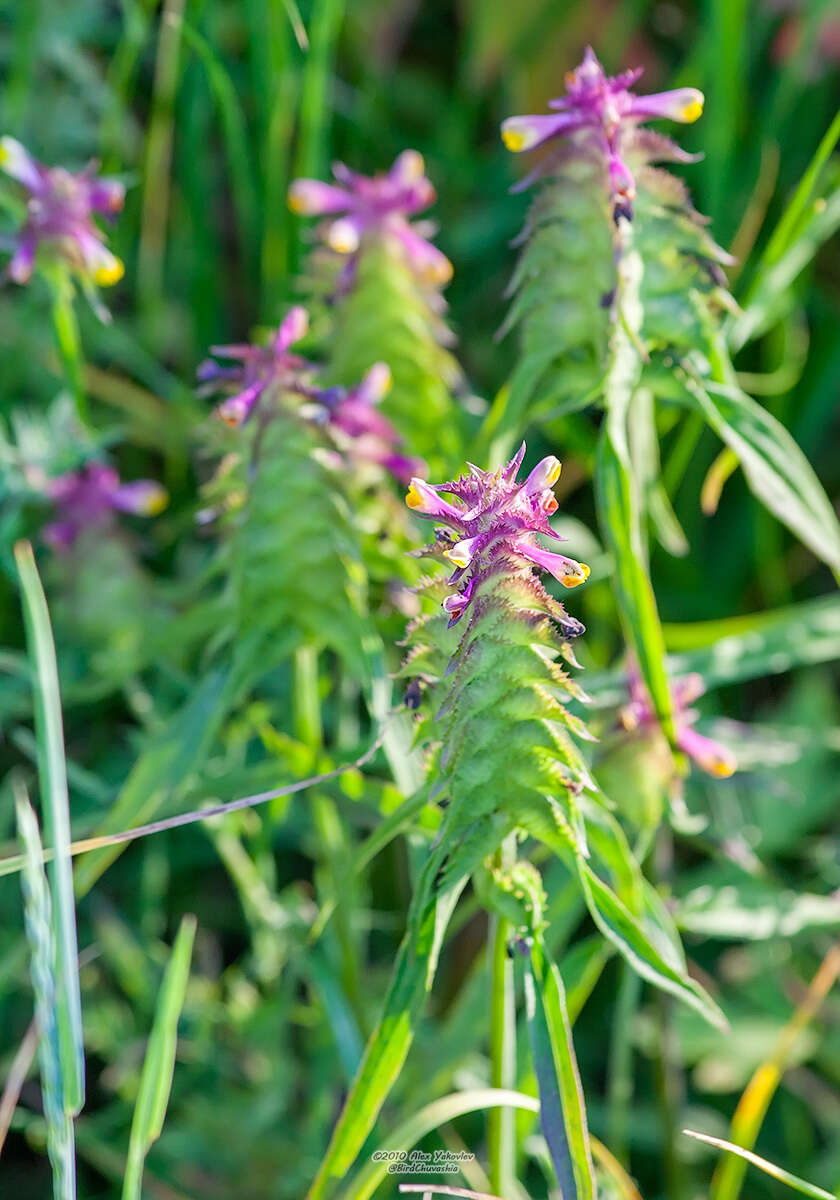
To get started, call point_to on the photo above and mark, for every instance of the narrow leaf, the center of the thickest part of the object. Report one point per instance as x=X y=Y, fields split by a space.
x=562 y=1111
x=386 y=1051
x=793 y=1181
x=776 y=470
x=159 y=1063
x=52 y=774
x=38 y=921
x=618 y=924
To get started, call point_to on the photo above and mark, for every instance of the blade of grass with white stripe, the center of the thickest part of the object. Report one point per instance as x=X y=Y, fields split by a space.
x=159 y=1063
x=38 y=919
x=562 y=1110
x=52 y=774
x=793 y=1181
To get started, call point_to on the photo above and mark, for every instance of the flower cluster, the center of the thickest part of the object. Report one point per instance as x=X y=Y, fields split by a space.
x=709 y=755
x=599 y=110
x=60 y=207
x=359 y=430
x=259 y=369
x=88 y=498
x=378 y=206
x=492 y=517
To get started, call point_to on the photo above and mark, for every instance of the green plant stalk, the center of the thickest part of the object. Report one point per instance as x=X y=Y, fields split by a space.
x=309 y=729
x=52 y=775
x=68 y=341
x=39 y=922
x=158 y=165
x=159 y=1063
x=620 y=1080
x=501 y=1121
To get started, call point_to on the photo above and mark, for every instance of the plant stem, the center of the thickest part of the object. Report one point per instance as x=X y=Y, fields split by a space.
x=620 y=1082
x=331 y=837
x=501 y=1122
x=158 y=165
x=668 y=1075
x=67 y=338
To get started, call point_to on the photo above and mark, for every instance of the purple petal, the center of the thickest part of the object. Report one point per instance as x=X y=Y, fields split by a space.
x=17 y=162
x=523 y=133
x=292 y=328
x=106 y=196
x=709 y=755
x=20 y=266
x=566 y=570
x=681 y=104
x=310 y=197
x=237 y=409
x=144 y=497
x=430 y=264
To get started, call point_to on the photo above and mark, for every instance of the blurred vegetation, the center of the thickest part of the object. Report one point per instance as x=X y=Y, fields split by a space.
x=207 y=109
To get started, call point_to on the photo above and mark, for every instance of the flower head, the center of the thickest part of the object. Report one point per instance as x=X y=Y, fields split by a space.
x=258 y=368
x=709 y=755
x=360 y=428
x=492 y=516
x=60 y=207
x=598 y=110
x=375 y=205
x=88 y=498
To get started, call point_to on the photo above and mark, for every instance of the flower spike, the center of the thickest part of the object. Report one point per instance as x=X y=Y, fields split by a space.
x=493 y=518
x=379 y=204
x=60 y=207
x=599 y=110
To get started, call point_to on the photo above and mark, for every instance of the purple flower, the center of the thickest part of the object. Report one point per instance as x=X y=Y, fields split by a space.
x=598 y=110
x=258 y=368
x=88 y=498
x=491 y=517
x=60 y=210
x=709 y=755
x=375 y=205
x=360 y=428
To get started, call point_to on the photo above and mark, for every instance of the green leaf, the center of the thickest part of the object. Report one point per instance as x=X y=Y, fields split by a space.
x=38 y=921
x=618 y=924
x=793 y=1181
x=619 y=519
x=438 y=1113
x=52 y=774
x=386 y=1051
x=754 y=910
x=159 y=1063
x=776 y=470
x=562 y=1111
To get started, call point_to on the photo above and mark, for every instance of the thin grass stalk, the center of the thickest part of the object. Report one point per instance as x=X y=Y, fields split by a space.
x=158 y=166
x=501 y=1122
x=52 y=774
x=67 y=338
x=39 y=925
x=620 y=1078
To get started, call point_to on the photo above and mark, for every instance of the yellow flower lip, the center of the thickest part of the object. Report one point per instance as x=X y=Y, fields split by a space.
x=109 y=272
x=575 y=577
x=513 y=138
x=693 y=110
x=721 y=768
x=413 y=498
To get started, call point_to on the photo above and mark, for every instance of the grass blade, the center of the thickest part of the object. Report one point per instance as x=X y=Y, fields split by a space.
x=776 y=470
x=391 y=1040
x=793 y=1181
x=421 y=1123
x=159 y=1063
x=755 y=1101
x=562 y=1110
x=618 y=924
x=52 y=773
x=38 y=920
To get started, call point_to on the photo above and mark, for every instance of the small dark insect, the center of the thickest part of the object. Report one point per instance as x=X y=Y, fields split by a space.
x=413 y=695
